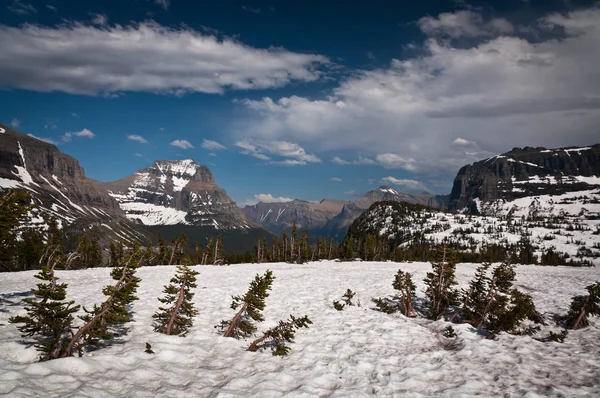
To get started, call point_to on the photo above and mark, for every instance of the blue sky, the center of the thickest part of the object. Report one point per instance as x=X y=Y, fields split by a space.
x=301 y=99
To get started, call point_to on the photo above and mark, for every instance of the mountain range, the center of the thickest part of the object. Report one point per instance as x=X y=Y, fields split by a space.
x=174 y=196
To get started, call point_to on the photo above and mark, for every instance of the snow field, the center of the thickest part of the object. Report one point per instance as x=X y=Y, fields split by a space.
x=355 y=352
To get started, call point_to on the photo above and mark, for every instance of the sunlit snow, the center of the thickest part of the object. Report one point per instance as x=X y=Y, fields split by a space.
x=350 y=353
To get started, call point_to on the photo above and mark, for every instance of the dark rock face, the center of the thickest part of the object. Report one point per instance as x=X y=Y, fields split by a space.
x=174 y=192
x=526 y=172
x=58 y=186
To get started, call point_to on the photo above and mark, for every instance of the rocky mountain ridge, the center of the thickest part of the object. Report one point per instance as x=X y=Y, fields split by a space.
x=330 y=217
x=58 y=186
x=171 y=192
x=524 y=172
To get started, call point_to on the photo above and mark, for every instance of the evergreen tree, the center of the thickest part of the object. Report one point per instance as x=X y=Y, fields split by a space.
x=116 y=253
x=584 y=306
x=251 y=304
x=218 y=251
x=14 y=206
x=277 y=337
x=49 y=315
x=113 y=311
x=179 y=316
x=491 y=303
x=162 y=250
x=404 y=284
x=440 y=284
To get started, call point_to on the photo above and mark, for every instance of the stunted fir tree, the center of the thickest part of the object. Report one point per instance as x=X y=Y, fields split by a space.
x=277 y=337
x=178 y=317
x=14 y=205
x=440 y=284
x=49 y=315
x=584 y=306
x=491 y=303
x=99 y=321
x=250 y=306
x=404 y=284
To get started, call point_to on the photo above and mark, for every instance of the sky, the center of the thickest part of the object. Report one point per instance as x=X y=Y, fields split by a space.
x=301 y=99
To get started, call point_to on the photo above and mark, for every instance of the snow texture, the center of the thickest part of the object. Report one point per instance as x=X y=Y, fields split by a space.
x=353 y=353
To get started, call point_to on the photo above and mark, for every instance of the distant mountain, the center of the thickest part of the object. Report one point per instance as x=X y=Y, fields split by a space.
x=330 y=217
x=276 y=217
x=59 y=188
x=526 y=172
x=172 y=192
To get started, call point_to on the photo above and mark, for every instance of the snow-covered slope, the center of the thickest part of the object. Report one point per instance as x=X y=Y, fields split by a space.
x=567 y=224
x=174 y=192
x=353 y=353
x=59 y=188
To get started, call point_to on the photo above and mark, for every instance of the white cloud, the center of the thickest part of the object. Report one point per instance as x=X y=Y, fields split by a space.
x=163 y=3
x=21 y=8
x=67 y=137
x=501 y=92
x=183 y=144
x=352 y=193
x=459 y=141
x=464 y=23
x=393 y=161
x=100 y=20
x=138 y=138
x=15 y=123
x=266 y=150
x=51 y=7
x=410 y=184
x=91 y=60
x=139 y=155
x=335 y=179
x=268 y=198
x=359 y=161
x=48 y=140
x=212 y=145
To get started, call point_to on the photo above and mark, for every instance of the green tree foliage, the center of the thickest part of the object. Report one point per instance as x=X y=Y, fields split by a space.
x=584 y=306
x=276 y=338
x=178 y=317
x=250 y=306
x=116 y=253
x=49 y=315
x=14 y=206
x=88 y=253
x=348 y=296
x=440 y=291
x=99 y=321
x=404 y=284
x=385 y=305
x=491 y=302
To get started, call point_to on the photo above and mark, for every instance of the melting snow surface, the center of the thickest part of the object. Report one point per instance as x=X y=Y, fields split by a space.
x=352 y=353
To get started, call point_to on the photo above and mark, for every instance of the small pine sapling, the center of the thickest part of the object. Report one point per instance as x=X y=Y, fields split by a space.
x=277 y=337
x=584 y=306
x=386 y=306
x=348 y=296
x=403 y=283
x=554 y=337
x=179 y=316
x=449 y=332
x=49 y=317
x=338 y=306
x=251 y=304
x=148 y=349
x=440 y=284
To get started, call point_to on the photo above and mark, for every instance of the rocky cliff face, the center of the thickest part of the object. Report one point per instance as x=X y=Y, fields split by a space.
x=59 y=188
x=526 y=172
x=172 y=192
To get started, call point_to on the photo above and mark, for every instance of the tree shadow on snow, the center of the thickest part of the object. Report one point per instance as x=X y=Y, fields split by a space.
x=12 y=299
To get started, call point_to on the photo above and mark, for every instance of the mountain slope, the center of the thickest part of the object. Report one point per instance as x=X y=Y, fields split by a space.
x=526 y=172
x=172 y=192
x=276 y=217
x=59 y=188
